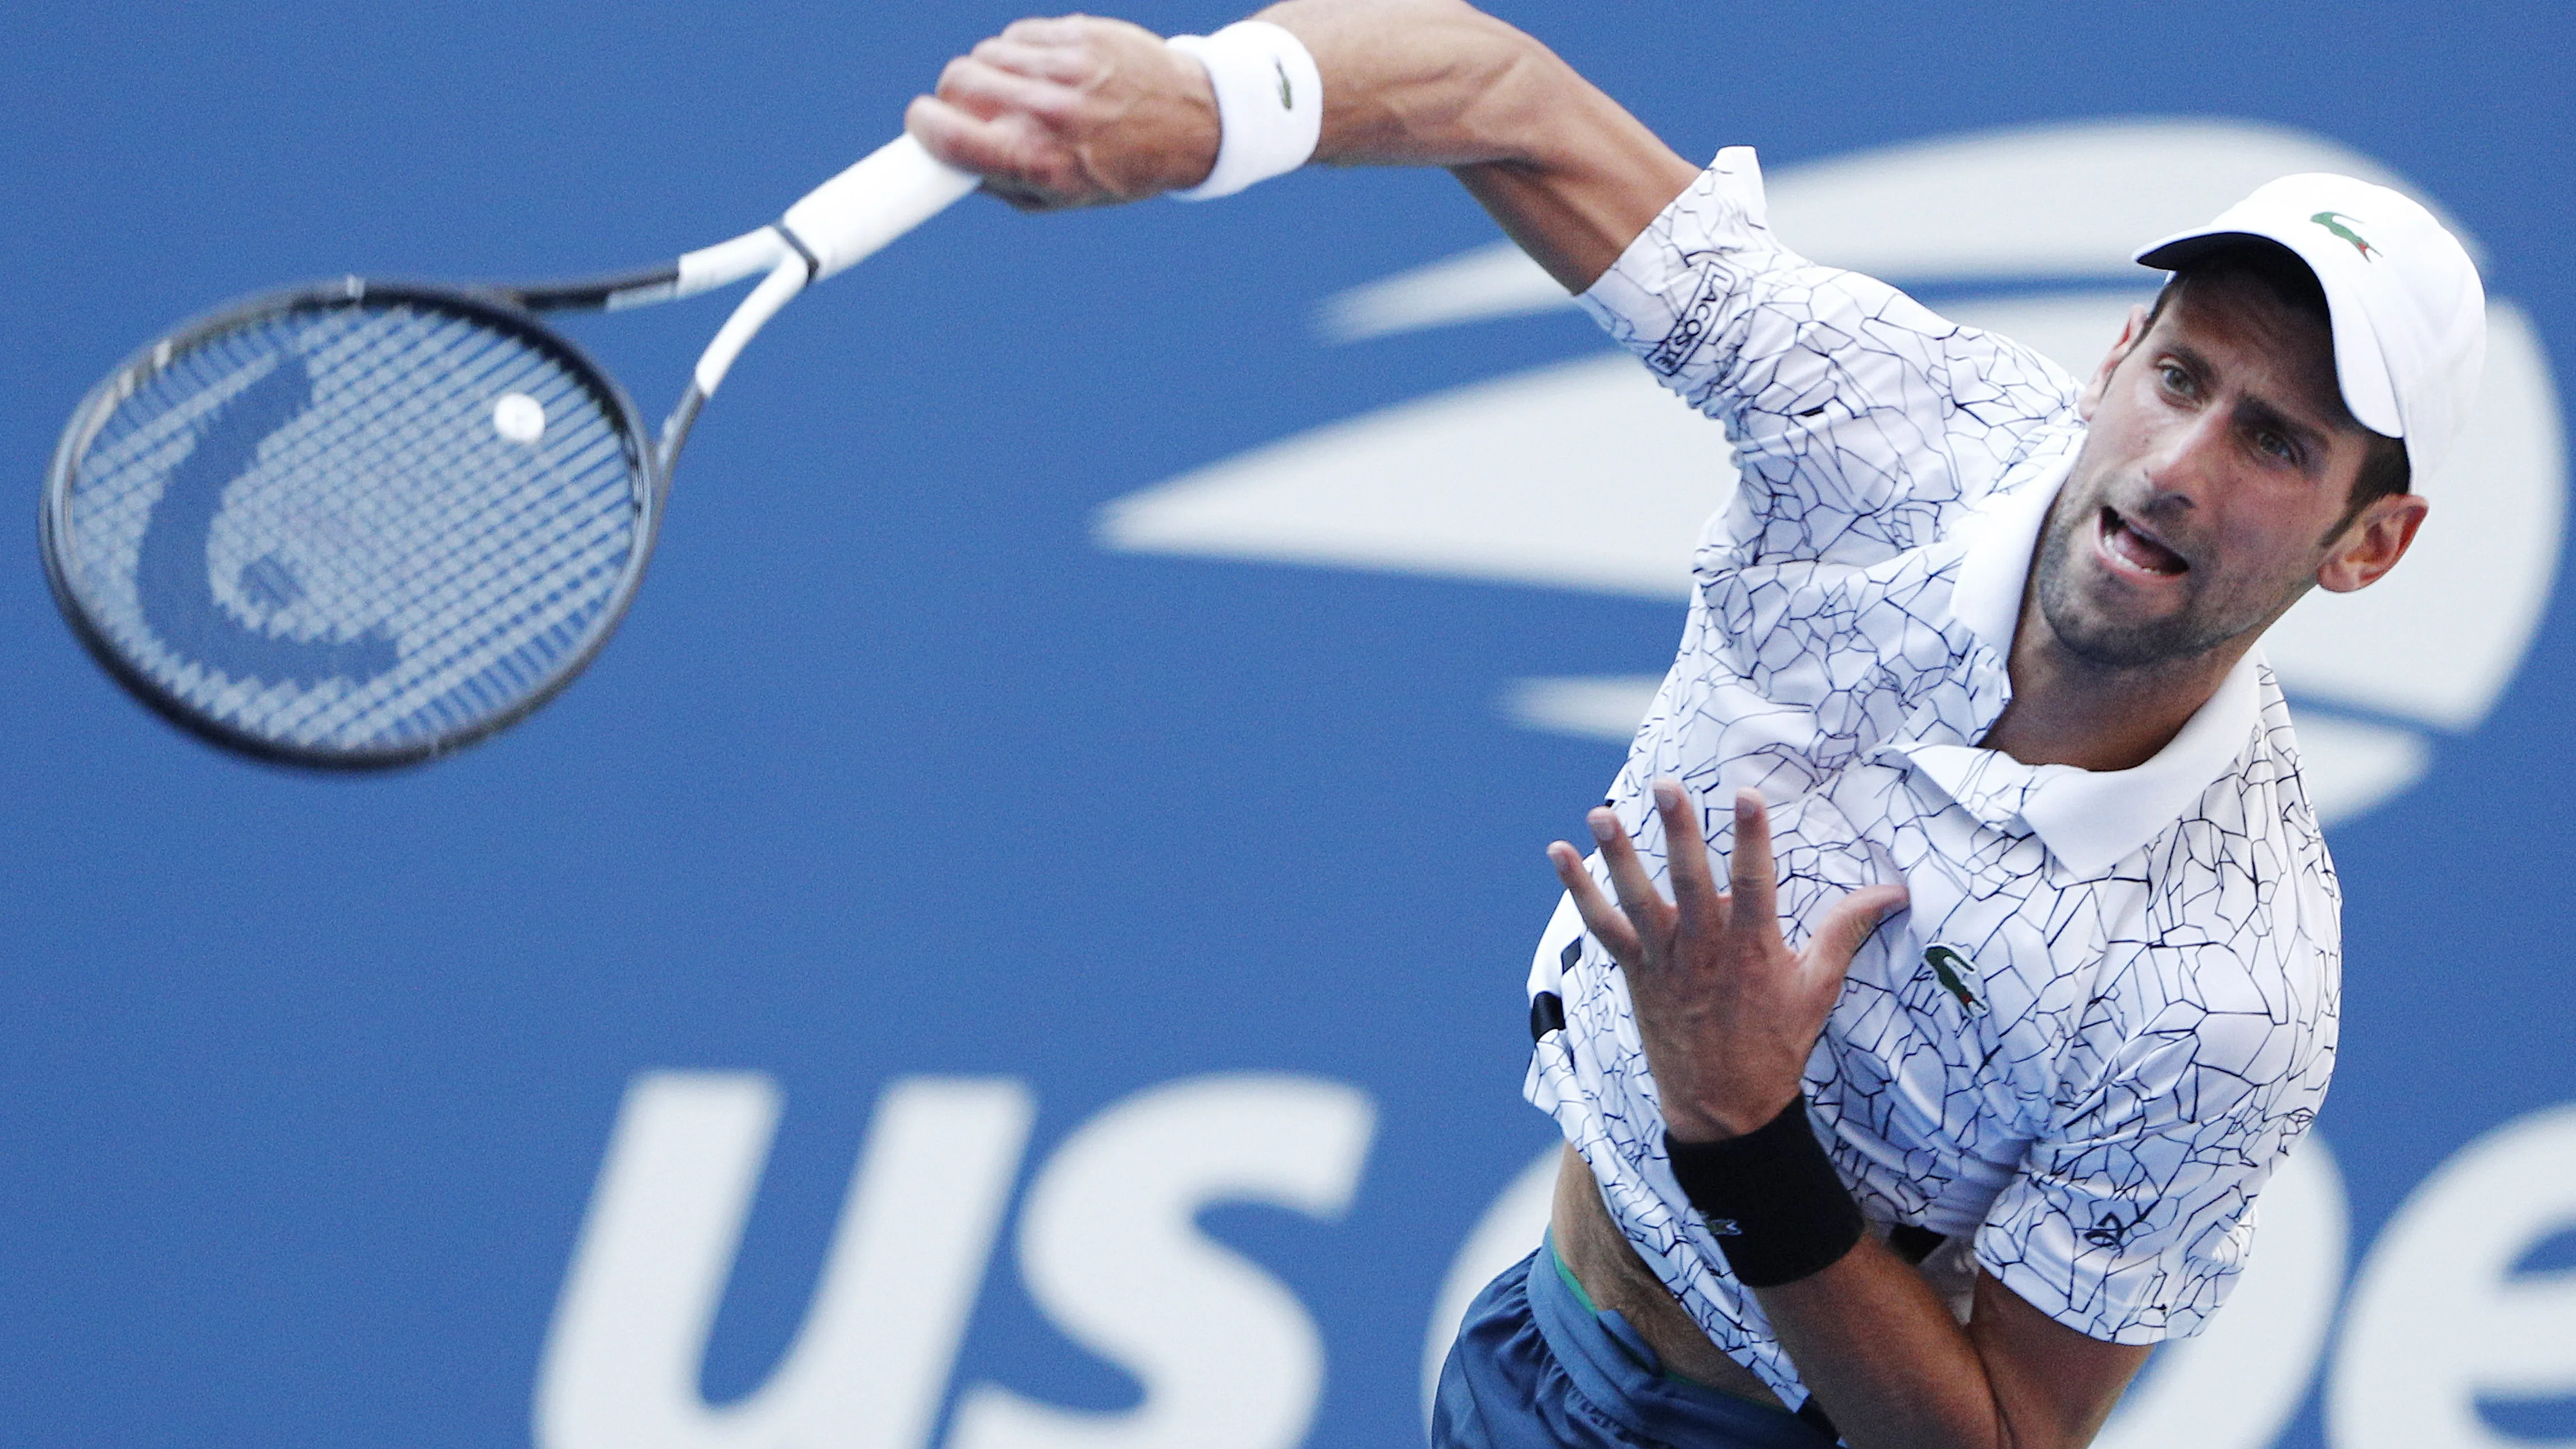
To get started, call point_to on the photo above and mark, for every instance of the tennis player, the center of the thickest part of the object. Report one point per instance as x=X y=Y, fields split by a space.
x=1959 y=955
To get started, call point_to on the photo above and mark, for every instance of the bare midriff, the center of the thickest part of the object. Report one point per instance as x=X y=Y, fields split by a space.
x=1611 y=1272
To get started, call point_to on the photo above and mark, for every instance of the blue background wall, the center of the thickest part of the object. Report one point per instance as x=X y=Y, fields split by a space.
x=304 y=1083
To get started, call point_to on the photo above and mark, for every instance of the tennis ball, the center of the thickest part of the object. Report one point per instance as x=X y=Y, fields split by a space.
x=519 y=418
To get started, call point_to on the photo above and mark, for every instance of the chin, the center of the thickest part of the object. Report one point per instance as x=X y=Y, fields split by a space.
x=2097 y=619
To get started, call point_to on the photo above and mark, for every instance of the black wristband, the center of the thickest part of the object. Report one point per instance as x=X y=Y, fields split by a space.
x=1779 y=1210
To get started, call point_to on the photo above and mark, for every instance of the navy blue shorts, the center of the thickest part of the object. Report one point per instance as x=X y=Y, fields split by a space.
x=1535 y=1367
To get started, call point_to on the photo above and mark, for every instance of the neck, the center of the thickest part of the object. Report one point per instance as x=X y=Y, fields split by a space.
x=2068 y=710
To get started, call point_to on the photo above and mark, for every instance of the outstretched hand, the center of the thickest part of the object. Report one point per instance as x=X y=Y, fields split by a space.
x=1728 y=1013
x=1076 y=111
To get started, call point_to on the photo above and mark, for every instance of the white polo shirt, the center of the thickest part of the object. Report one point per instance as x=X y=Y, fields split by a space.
x=2109 y=1010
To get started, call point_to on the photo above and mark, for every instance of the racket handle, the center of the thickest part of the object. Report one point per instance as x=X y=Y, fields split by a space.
x=898 y=187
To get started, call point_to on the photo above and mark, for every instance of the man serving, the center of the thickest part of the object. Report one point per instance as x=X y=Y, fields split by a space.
x=1959 y=958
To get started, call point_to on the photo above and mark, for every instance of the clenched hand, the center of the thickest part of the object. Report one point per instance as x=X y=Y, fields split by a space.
x=1076 y=111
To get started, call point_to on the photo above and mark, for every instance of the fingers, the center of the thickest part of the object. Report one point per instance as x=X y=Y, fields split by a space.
x=1840 y=935
x=965 y=141
x=1603 y=920
x=1695 y=891
x=1638 y=898
x=1070 y=65
x=1753 y=876
x=1048 y=30
x=1075 y=111
x=1010 y=128
x=973 y=84
x=1002 y=151
x=1642 y=913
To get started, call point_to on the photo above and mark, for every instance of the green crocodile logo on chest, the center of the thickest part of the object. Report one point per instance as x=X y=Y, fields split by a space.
x=1957 y=975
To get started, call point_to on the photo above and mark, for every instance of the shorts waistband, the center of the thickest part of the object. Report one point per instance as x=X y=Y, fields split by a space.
x=1608 y=1363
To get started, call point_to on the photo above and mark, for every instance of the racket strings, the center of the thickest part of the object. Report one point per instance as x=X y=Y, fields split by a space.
x=319 y=527
x=491 y=548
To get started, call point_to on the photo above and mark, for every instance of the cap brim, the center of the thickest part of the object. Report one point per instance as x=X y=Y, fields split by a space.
x=2176 y=252
x=2361 y=374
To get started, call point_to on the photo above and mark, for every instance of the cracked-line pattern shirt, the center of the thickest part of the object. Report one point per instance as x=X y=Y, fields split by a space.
x=2109 y=1009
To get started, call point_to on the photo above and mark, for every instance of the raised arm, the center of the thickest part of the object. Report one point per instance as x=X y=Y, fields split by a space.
x=1083 y=111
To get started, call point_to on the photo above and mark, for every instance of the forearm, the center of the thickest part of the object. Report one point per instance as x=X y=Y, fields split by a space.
x=1883 y=1354
x=1083 y=111
x=1565 y=170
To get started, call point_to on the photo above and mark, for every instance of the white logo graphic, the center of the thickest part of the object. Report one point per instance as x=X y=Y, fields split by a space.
x=1108 y=1246
x=2444 y=1313
x=1585 y=475
x=2441 y=1313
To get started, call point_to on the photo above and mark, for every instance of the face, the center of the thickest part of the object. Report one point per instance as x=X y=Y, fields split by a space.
x=2207 y=496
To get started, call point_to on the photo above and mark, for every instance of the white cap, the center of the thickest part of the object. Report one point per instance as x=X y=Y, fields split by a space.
x=2410 y=319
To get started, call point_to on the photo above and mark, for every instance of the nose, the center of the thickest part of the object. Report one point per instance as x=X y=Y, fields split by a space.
x=2189 y=458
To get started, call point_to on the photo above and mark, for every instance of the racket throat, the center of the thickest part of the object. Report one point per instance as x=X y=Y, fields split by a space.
x=675 y=434
x=804 y=253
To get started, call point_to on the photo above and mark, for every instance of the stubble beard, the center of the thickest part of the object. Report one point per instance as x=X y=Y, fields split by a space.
x=2084 y=629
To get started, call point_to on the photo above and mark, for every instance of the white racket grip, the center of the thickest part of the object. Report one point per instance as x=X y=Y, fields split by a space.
x=898 y=187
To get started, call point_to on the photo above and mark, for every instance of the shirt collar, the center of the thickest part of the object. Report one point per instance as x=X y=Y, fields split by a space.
x=2088 y=819
x=2002 y=535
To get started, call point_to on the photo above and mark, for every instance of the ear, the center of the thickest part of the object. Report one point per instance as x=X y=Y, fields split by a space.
x=2132 y=332
x=2373 y=544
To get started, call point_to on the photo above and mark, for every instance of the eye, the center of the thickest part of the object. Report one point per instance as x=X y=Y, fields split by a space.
x=2276 y=447
x=2175 y=377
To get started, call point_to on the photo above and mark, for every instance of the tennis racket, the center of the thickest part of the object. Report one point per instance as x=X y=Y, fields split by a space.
x=362 y=524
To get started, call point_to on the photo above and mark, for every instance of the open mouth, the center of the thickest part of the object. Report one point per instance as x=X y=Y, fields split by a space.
x=2122 y=541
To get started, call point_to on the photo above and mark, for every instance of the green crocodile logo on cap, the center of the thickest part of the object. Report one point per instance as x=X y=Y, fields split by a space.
x=1955 y=973
x=2328 y=220
x=1287 y=97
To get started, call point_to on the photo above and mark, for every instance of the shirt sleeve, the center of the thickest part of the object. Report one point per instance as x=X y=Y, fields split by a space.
x=1861 y=419
x=2131 y=1217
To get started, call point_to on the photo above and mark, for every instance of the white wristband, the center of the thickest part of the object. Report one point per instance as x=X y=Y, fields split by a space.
x=1269 y=104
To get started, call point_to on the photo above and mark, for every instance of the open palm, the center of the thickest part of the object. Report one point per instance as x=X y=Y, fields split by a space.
x=1728 y=1012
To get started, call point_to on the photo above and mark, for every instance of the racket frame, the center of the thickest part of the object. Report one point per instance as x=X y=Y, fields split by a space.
x=647 y=472
x=835 y=226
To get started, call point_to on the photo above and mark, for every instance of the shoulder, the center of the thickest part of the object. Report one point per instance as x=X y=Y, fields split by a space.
x=2248 y=863
x=2220 y=1014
